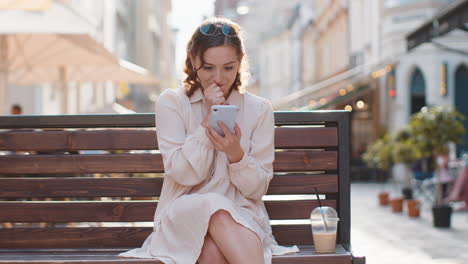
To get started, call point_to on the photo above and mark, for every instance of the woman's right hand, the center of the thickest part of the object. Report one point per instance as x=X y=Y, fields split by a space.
x=213 y=96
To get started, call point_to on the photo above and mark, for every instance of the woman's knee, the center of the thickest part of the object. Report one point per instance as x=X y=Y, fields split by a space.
x=221 y=218
x=210 y=253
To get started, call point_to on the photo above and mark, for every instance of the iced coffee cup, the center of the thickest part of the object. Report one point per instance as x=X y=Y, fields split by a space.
x=324 y=222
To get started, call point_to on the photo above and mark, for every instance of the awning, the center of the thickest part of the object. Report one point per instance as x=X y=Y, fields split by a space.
x=455 y=16
x=339 y=97
x=124 y=71
x=327 y=90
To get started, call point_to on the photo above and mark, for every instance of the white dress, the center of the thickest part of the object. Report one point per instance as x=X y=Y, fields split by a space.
x=199 y=181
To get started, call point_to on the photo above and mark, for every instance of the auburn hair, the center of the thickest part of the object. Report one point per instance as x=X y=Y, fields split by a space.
x=200 y=42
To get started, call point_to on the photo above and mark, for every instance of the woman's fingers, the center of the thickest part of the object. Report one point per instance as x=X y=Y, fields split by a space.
x=216 y=137
x=214 y=95
x=237 y=131
x=219 y=101
x=226 y=143
x=224 y=128
x=209 y=134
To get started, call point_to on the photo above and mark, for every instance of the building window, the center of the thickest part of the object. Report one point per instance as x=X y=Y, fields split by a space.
x=418 y=91
x=461 y=93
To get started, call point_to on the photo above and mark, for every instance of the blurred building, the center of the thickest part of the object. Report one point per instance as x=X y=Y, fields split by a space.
x=290 y=40
x=398 y=19
x=150 y=43
x=226 y=8
x=267 y=42
x=139 y=32
x=353 y=55
x=435 y=69
x=136 y=31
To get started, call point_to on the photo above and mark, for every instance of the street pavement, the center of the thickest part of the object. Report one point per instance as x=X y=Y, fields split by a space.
x=385 y=237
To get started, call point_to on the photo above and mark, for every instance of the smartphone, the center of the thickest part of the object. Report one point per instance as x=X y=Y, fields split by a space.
x=225 y=113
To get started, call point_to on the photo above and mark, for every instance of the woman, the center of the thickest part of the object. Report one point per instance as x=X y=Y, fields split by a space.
x=459 y=191
x=210 y=209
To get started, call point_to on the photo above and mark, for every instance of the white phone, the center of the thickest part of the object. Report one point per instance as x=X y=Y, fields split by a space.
x=225 y=113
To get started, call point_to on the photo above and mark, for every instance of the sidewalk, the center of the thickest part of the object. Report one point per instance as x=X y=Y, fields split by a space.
x=385 y=237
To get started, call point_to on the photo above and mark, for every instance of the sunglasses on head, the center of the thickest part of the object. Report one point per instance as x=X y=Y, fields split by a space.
x=211 y=29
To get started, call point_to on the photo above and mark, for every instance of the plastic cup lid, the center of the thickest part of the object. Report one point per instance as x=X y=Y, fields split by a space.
x=324 y=212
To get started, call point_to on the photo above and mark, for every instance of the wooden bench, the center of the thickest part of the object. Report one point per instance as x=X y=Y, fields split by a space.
x=87 y=200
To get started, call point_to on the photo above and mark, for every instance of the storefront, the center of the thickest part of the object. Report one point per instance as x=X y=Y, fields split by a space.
x=437 y=65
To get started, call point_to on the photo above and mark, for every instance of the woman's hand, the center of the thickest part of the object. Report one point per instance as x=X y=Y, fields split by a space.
x=214 y=95
x=229 y=144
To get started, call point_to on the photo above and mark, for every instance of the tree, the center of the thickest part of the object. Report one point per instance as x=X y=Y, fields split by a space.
x=405 y=151
x=379 y=154
x=433 y=128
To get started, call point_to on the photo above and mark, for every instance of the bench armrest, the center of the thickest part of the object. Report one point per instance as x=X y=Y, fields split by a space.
x=357 y=258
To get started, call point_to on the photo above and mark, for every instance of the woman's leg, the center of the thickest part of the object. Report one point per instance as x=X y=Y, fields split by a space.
x=237 y=243
x=210 y=253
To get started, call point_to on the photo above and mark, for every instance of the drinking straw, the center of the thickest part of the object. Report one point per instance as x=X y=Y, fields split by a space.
x=321 y=212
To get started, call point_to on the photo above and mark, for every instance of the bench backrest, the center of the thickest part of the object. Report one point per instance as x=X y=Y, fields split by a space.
x=118 y=163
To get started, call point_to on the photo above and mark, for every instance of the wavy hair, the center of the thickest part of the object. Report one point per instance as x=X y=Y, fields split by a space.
x=198 y=45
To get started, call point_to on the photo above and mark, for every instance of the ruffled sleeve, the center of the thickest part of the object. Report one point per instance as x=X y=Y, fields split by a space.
x=188 y=158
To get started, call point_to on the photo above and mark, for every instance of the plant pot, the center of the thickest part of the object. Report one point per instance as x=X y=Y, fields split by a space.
x=397 y=205
x=383 y=198
x=413 y=208
x=441 y=215
x=407 y=193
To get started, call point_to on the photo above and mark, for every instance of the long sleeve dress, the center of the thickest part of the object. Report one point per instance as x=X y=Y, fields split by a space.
x=198 y=180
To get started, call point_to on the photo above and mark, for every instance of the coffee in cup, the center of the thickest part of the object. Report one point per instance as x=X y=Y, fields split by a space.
x=324 y=222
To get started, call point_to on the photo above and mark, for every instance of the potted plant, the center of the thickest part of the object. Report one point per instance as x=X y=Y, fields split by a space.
x=379 y=156
x=433 y=128
x=405 y=151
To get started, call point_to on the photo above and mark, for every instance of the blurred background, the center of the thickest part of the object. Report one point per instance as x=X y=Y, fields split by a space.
x=396 y=65
x=382 y=60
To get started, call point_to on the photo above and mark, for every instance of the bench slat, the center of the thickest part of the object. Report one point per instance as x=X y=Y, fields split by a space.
x=96 y=237
x=117 y=237
x=148 y=120
x=79 y=187
x=146 y=163
x=306 y=137
x=303 y=184
x=7 y=253
x=53 y=164
x=127 y=211
x=134 y=187
x=306 y=255
x=79 y=140
x=291 y=137
x=290 y=161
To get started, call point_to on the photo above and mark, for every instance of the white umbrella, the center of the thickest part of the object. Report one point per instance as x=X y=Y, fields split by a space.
x=55 y=39
x=25 y=4
x=124 y=71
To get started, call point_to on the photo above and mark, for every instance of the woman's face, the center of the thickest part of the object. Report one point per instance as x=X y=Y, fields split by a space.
x=220 y=68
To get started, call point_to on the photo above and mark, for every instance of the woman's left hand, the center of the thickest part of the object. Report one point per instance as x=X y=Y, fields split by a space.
x=229 y=144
